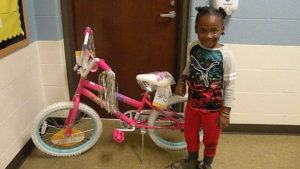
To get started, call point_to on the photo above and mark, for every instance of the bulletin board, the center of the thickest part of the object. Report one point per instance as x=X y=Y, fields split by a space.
x=13 y=26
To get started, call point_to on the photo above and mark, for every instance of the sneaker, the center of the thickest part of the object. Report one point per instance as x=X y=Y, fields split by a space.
x=184 y=164
x=205 y=167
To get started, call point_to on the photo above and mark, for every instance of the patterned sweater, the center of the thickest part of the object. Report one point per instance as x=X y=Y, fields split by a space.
x=211 y=75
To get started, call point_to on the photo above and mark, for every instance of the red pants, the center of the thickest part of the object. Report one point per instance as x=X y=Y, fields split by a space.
x=193 y=119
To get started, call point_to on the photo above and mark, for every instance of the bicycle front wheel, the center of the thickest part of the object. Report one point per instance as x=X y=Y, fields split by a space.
x=48 y=130
x=169 y=139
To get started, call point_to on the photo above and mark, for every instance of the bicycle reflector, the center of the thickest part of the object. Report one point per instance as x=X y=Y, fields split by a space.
x=60 y=139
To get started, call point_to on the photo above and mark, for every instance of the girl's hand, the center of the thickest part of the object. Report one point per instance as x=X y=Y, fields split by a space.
x=180 y=89
x=222 y=122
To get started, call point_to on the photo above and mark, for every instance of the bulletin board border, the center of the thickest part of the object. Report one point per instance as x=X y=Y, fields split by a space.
x=13 y=44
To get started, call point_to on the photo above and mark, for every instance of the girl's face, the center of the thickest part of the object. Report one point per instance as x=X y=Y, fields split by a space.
x=209 y=28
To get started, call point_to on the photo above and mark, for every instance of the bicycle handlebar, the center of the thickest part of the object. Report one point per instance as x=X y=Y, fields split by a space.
x=80 y=66
x=87 y=33
x=89 y=67
x=100 y=62
x=103 y=65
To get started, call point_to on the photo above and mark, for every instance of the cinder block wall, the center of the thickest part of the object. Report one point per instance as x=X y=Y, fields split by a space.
x=21 y=97
x=265 y=39
x=31 y=77
x=48 y=30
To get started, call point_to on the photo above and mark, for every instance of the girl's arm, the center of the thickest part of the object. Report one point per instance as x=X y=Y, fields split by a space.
x=229 y=78
x=181 y=84
x=186 y=70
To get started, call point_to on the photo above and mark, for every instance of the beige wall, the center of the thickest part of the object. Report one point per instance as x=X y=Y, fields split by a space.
x=268 y=84
x=21 y=97
x=30 y=79
x=53 y=67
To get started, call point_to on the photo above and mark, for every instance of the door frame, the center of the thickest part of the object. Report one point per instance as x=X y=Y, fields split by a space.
x=69 y=39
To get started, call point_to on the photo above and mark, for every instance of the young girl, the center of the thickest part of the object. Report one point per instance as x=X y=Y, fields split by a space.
x=210 y=75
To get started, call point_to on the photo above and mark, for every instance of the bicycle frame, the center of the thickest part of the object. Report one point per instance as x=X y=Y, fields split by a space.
x=84 y=88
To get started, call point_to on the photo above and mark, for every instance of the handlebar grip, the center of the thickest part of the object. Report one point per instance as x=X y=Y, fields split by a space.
x=87 y=33
x=103 y=65
x=87 y=30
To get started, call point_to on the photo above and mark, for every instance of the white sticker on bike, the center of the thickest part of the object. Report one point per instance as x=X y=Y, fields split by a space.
x=162 y=96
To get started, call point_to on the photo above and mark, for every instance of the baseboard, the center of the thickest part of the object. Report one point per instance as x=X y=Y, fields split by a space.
x=21 y=156
x=263 y=129
x=232 y=128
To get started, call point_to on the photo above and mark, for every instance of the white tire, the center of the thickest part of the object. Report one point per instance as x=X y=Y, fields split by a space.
x=169 y=139
x=48 y=130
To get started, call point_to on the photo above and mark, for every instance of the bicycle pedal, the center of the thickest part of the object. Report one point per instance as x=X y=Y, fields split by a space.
x=118 y=136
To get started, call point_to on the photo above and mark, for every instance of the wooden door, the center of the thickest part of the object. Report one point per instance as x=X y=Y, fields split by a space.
x=132 y=37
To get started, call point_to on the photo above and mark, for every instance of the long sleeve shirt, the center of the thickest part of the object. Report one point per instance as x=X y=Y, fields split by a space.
x=212 y=76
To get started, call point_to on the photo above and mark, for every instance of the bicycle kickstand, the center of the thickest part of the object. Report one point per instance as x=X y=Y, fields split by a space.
x=143 y=132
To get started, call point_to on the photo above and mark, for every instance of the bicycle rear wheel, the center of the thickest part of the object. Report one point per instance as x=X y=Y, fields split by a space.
x=48 y=130
x=169 y=139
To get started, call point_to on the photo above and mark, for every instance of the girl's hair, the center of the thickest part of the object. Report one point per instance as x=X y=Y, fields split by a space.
x=210 y=10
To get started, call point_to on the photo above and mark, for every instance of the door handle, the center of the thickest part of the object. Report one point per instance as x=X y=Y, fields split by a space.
x=171 y=14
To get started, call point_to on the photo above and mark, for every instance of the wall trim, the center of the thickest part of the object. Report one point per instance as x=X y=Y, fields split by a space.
x=67 y=18
x=263 y=129
x=184 y=15
x=21 y=156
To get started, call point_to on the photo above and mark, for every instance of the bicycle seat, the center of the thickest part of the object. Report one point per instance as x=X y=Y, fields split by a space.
x=156 y=78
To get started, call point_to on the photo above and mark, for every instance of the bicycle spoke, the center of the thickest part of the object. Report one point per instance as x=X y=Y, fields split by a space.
x=91 y=130
x=53 y=120
x=53 y=127
x=45 y=134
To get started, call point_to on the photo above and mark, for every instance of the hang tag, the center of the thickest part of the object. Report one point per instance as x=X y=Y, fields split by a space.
x=162 y=96
x=0 y=22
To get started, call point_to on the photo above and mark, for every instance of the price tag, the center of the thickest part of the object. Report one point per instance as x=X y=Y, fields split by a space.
x=162 y=96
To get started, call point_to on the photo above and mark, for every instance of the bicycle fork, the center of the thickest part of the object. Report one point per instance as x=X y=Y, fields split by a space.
x=72 y=116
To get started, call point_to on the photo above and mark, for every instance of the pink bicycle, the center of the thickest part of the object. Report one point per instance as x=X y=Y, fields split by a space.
x=71 y=128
